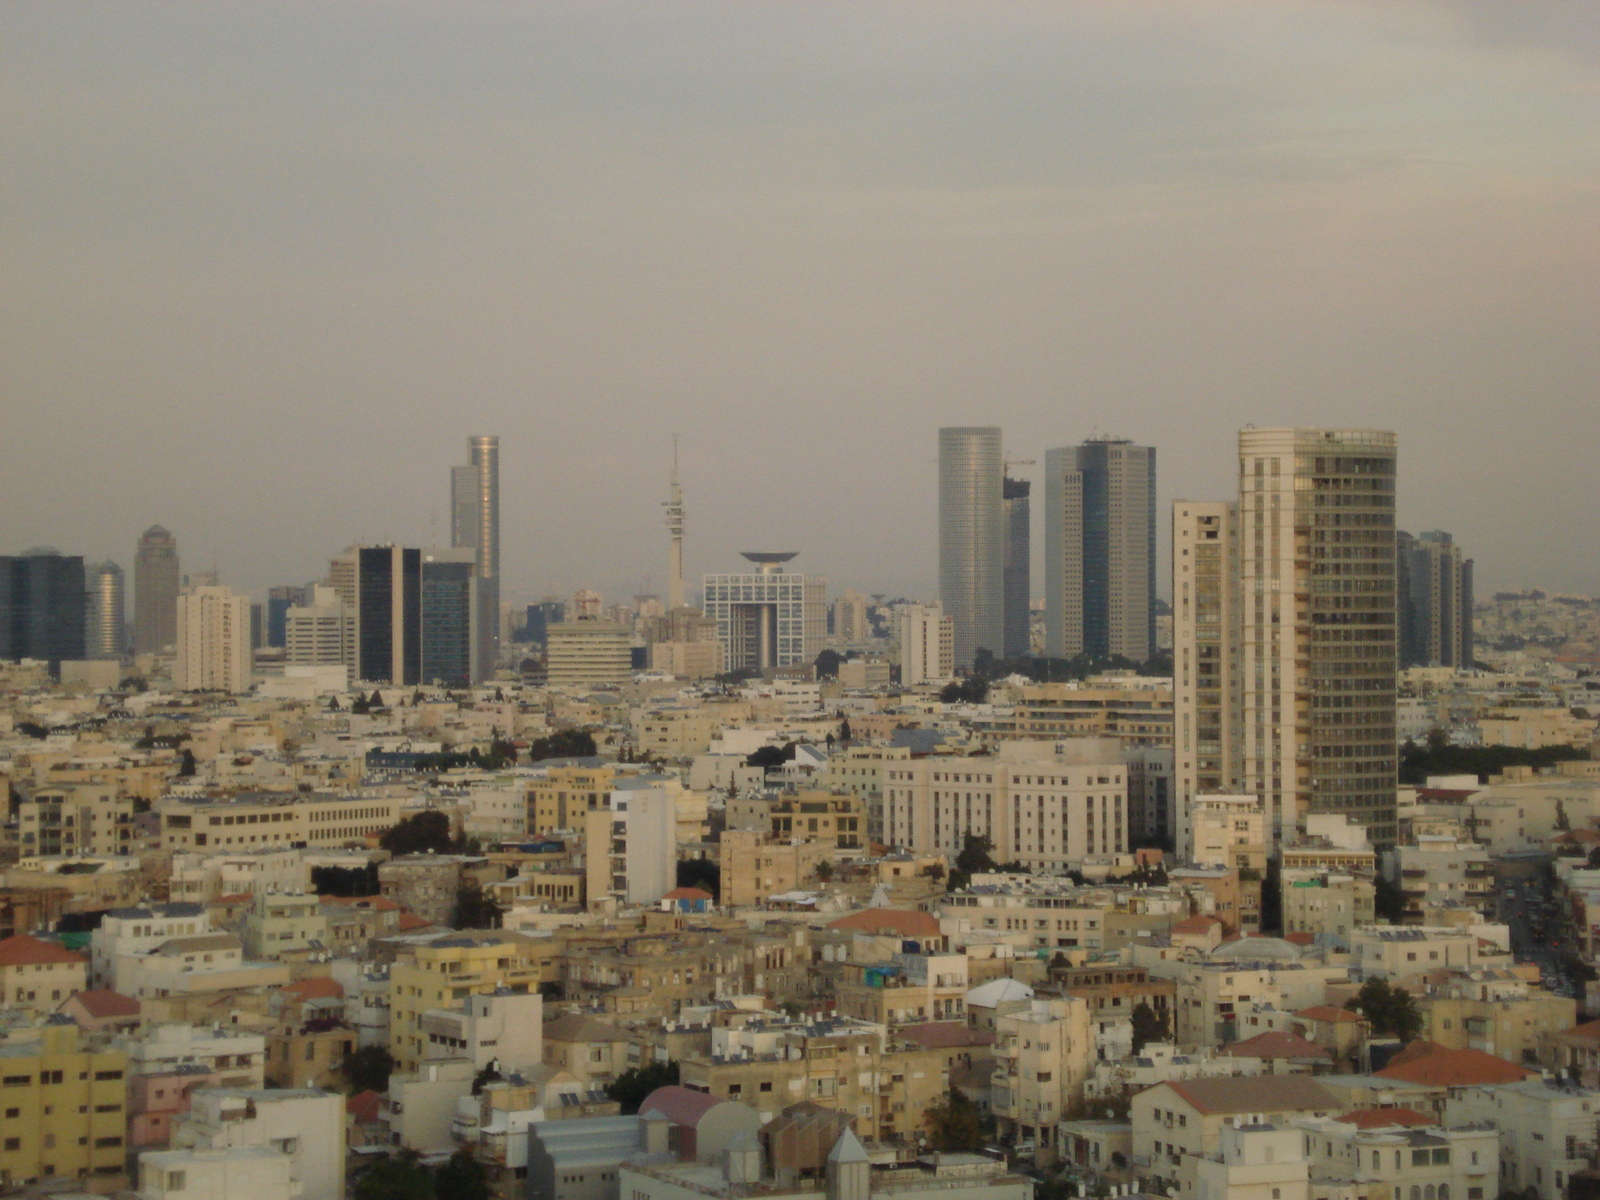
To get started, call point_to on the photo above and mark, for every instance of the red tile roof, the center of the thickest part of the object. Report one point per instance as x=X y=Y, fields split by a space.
x=364 y=1106
x=1300 y=939
x=1456 y=1068
x=687 y=893
x=1196 y=925
x=410 y=920
x=1420 y=1048
x=1384 y=1118
x=895 y=921
x=25 y=950
x=1277 y=1043
x=679 y=1105
x=103 y=1002
x=1589 y=1031
x=316 y=988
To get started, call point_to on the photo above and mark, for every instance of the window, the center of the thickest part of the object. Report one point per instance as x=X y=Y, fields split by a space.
x=13 y=1143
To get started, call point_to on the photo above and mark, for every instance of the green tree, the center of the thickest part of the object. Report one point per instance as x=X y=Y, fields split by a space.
x=399 y=1177
x=1148 y=1026
x=1392 y=1010
x=827 y=664
x=844 y=730
x=418 y=834
x=631 y=1087
x=367 y=1069
x=700 y=873
x=972 y=690
x=568 y=743
x=954 y=1123
x=1388 y=901
x=461 y=1177
x=475 y=910
x=186 y=764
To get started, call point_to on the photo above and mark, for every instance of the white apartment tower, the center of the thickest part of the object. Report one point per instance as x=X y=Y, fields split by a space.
x=927 y=645
x=1296 y=692
x=213 y=640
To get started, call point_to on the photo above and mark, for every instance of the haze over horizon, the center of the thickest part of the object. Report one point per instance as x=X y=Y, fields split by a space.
x=269 y=266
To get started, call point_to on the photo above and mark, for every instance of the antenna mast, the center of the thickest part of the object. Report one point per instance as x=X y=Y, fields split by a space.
x=674 y=506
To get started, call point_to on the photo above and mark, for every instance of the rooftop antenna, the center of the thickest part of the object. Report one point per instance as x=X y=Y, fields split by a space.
x=674 y=507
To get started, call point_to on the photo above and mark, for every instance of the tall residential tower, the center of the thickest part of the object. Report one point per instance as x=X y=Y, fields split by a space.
x=1284 y=631
x=155 y=591
x=972 y=538
x=475 y=524
x=1100 y=550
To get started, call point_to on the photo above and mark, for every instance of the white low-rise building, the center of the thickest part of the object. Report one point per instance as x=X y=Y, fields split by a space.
x=306 y=1124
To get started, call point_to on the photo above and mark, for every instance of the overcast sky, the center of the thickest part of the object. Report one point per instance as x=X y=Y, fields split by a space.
x=264 y=267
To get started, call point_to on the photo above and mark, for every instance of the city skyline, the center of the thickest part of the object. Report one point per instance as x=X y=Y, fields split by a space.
x=1159 y=231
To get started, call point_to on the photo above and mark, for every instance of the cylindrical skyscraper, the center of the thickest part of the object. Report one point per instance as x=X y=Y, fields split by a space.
x=105 y=635
x=972 y=538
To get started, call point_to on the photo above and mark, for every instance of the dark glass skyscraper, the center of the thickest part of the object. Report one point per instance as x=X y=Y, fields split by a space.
x=43 y=607
x=1433 y=601
x=1018 y=580
x=389 y=615
x=1100 y=550
x=449 y=592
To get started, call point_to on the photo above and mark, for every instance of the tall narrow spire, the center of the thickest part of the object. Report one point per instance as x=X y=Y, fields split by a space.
x=675 y=530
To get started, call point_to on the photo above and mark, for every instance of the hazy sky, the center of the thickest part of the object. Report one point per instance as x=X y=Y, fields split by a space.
x=264 y=267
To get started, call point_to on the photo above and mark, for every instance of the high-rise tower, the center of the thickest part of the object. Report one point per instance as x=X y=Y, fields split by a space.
x=1284 y=638
x=155 y=591
x=1434 y=587
x=475 y=523
x=42 y=603
x=972 y=539
x=1018 y=568
x=1100 y=549
x=106 y=634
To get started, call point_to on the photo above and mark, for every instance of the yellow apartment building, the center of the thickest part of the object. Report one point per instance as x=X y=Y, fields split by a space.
x=62 y=1109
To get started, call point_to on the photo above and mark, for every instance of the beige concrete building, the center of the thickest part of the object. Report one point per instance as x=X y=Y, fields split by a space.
x=213 y=640
x=1134 y=711
x=1546 y=1133
x=1046 y=805
x=1318 y=902
x=1441 y=868
x=441 y=971
x=559 y=800
x=839 y=821
x=927 y=640
x=586 y=653
x=1252 y=1162
x=674 y=732
x=271 y=819
x=755 y=866
x=1370 y=1150
x=687 y=660
x=1177 y=1118
x=1044 y=1050
x=1226 y=831
x=1496 y=1012
x=281 y=925
x=38 y=976
x=78 y=818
